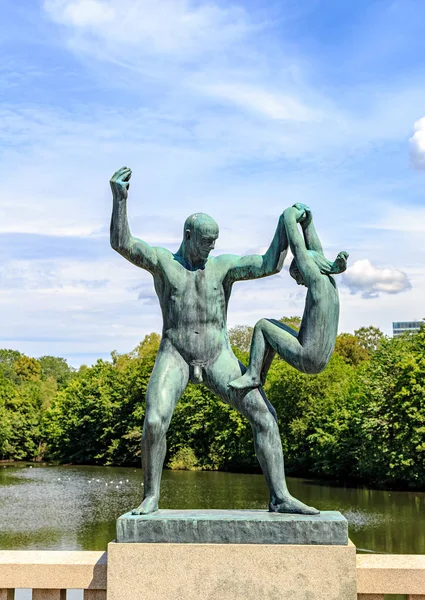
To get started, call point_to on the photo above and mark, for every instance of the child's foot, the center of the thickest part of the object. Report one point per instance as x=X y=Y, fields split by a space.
x=340 y=263
x=246 y=382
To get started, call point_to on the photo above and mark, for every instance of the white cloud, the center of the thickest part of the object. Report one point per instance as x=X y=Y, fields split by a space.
x=417 y=145
x=50 y=227
x=75 y=306
x=255 y=98
x=168 y=26
x=364 y=278
x=84 y=13
x=211 y=117
x=402 y=218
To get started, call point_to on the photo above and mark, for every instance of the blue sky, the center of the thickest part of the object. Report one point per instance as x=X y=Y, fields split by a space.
x=234 y=109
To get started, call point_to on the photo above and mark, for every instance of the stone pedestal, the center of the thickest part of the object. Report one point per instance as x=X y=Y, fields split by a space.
x=231 y=555
x=232 y=527
x=231 y=572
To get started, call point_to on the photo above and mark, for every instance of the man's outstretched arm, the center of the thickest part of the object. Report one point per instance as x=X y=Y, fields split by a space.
x=136 y=251
x=255 y=266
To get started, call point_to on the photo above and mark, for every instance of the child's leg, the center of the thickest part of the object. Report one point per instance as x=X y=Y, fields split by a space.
x=308 y=350
x=269 y=337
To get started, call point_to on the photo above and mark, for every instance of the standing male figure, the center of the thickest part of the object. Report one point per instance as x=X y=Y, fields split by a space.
x=194 y=291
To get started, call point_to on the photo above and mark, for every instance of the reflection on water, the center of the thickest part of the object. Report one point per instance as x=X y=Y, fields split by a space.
x=75 y=508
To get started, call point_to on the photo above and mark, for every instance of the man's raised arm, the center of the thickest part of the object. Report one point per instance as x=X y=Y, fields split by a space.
x=312 y=241
x=136 y=251
x=255 y=266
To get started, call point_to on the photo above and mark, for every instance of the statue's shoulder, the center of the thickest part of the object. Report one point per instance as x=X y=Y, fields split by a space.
x=164 y=253
x=165 y=258
x=227 y=260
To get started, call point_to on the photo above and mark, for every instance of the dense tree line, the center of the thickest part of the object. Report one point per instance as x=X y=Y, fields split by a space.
x=362 y=418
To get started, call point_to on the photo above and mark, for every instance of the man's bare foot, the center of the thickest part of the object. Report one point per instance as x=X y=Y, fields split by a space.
x=246 y=382
x=291 y=505
x=149 y=505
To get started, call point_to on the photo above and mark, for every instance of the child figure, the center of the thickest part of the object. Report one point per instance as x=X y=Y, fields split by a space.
x=309 y=349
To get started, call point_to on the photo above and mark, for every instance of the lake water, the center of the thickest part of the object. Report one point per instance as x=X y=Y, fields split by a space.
x=75 y=508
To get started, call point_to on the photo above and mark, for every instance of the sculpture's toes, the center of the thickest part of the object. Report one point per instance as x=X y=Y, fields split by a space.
x=149 y=505
x=340 y=263
x=291 y=505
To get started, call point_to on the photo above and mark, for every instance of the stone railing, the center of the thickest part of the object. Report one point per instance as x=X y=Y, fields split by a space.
x=50 y=574
x=381 y=574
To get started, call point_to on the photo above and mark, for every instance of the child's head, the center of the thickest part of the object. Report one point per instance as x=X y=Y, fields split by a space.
x=326 y=266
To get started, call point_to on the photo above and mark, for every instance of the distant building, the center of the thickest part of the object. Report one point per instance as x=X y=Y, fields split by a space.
x=400 y=327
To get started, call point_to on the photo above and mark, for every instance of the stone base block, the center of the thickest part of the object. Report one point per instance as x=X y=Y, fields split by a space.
x=232 y=527
x=231 y=572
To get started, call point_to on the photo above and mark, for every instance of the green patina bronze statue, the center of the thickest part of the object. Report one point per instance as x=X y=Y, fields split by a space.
x=194 y=290
x=309 y=349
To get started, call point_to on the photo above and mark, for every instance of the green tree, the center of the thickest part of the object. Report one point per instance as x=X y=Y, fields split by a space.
x=350 y=349
x=363 y=417
x=27 y=368
x=98 y=417
x=391 y=406
x=7 y=398
x=56 y=368
x=313 y=413
x=218 y=435
x=77 y=423
x=240 y=337
x=294 y=321
x=20 y=417
x=8 y=359
x=369 y=337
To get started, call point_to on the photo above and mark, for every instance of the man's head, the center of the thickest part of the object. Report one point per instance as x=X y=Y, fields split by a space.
x=200 y=234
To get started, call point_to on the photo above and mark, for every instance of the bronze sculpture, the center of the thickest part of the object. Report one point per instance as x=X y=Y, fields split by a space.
x=193 y=290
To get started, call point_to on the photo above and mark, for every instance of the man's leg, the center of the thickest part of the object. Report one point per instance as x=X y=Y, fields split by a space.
x=267 y=442
x=168 y=381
